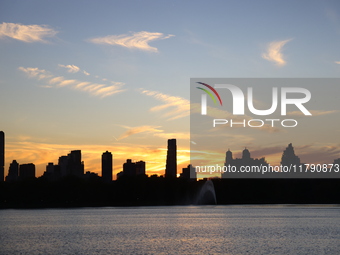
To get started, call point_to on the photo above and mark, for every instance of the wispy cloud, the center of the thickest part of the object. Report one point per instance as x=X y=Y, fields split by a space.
x=274 y=53
x=53 y=80
x=178 y=135
x=318 y=153
x=74 y=69
x=26 y=33
x=67 y=82
x=95 y=89
x=179 y=107
x=337 y=62
x=138 y=40
x=71 y=68
x=139 y=129
x=154 y=130
x=36 y=72
x=108 y=90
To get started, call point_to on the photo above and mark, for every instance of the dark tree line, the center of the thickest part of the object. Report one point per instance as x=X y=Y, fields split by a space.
x=154 y=191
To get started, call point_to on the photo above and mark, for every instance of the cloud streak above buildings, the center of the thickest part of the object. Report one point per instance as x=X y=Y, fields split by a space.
x=137 y=40
x=26 y=33
x=94 y=89
x=274 y=52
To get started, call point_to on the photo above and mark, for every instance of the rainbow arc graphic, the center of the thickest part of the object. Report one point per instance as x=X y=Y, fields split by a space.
x=209 y=90
x=211 y=94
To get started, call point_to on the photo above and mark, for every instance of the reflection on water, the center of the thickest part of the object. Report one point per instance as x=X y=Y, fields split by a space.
x=172 y=230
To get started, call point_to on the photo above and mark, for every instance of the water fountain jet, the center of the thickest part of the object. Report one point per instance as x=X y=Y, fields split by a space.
x=207 y=195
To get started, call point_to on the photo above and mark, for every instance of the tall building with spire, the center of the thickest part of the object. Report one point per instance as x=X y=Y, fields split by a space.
x=289 y=157
x=107 y=166
x=171 y=159
x=2 y=156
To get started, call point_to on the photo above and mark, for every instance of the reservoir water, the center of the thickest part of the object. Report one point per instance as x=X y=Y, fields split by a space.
x=172 y=230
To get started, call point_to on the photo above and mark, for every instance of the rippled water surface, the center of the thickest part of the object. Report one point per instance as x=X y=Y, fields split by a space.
x=172 y=230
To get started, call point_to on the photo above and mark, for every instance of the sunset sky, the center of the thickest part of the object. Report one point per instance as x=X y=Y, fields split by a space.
x=115 y=75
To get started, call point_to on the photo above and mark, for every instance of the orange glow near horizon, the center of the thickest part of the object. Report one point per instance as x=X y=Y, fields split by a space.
x=41 y=154
x=23 y=150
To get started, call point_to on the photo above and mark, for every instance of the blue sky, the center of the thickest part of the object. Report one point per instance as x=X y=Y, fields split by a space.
x=143 y=53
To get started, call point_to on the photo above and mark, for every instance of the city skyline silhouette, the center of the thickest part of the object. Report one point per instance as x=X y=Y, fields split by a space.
x=72 y=164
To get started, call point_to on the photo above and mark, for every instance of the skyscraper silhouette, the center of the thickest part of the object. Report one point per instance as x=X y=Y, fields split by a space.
x=171 y=159
x=74 y=164
x=289 y=157
x=132 y=169
x=26 y=171
x=107 y=166
x=2 y=156
x=13 y=172
x=52 y=172
x=140 y=167
x=62 y=162
x=189 y=173
x=129 y=168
